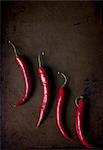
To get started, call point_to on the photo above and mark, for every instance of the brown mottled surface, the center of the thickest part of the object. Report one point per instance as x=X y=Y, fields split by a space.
x=71 y=35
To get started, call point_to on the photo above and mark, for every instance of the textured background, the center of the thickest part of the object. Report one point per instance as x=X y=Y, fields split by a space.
x=71 y=35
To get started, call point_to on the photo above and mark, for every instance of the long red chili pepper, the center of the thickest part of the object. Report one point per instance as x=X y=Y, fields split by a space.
x=25 y=71
x=46 y=90
x=80 y=120
x=59 y=112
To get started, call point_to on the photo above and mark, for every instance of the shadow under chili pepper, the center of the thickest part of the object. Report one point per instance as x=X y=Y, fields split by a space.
x=65 y=105
x=52 y=90
x=31 y=68
x=86 y=126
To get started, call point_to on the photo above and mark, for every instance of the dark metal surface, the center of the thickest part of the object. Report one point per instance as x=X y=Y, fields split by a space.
x=71 y=35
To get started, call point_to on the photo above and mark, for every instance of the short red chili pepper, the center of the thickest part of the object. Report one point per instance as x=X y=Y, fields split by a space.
x=79 y=120
x=27 y=78
x=46 y=90
x=59 y=112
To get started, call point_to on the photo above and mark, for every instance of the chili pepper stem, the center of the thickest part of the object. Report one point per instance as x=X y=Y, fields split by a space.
x=14 y=48
x=39 y=59
x=65 y=79
x=77 y=99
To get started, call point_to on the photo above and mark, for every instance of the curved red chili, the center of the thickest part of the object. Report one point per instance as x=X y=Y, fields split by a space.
x=59 y=111
x=25 y=71
x=46 y=91
x=79 y=121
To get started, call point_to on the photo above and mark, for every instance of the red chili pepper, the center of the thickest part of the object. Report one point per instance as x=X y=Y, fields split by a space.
x=46 y=90
x=79 y=121
x=59 y=112
x=25 y=71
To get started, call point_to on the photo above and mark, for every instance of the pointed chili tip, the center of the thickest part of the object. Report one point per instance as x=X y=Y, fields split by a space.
x=38 y=124
x=18 y=104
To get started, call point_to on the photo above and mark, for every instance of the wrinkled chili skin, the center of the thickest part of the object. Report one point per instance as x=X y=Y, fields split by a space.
x=79 y=123
x=59 y=113
x=28 y=86
x=46 y=94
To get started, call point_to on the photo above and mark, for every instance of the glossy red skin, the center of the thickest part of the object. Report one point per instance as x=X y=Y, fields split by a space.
x=59 y=114
x=25 y=71
x=46 y=94
x=79 y=123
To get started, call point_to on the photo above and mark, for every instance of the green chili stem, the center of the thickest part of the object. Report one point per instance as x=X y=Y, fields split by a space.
x=77 y=99
x=14 y=48
x=65 y=79
x=39 y=59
